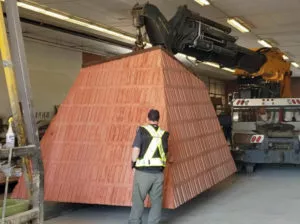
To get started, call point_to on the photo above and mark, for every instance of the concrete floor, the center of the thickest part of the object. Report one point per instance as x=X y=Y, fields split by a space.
x=270 y=196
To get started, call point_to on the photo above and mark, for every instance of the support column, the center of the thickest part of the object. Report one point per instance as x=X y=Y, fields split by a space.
x=22 y=77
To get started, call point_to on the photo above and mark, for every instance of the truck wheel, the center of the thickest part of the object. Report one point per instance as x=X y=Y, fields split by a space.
x=250 y=168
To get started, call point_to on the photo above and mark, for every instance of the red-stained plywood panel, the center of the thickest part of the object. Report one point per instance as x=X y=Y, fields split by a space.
x=87 y=148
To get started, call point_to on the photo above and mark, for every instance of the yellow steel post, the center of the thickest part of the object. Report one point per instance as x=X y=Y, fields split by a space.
x=12 y=92
x=11 y=81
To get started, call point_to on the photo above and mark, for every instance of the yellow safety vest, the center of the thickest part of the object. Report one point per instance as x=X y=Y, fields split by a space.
x=156 y=143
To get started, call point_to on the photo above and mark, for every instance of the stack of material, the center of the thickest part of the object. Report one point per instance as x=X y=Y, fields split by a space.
x=87 y=148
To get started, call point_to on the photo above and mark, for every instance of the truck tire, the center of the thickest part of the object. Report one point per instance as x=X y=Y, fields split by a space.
x=250 y=168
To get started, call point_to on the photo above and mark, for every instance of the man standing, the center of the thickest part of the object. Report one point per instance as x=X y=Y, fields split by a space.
x=149 y=158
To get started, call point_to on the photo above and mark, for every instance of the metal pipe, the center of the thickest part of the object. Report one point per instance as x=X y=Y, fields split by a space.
x=12 y=92
x=22 y=75
x=6 y=187
x=77 y=33
x=11 y=81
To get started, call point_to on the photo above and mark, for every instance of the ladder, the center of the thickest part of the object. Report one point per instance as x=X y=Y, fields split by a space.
x=19 y=91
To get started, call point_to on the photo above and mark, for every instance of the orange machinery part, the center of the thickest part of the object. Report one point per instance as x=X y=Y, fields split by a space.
x=276 y=69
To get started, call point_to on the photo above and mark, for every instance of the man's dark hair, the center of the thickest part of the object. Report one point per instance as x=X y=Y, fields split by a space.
x=153 y=115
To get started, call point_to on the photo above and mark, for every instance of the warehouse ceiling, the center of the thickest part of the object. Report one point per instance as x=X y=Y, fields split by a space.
x=273 y=20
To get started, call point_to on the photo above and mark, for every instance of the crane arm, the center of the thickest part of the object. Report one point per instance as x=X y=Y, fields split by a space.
x=191 y=34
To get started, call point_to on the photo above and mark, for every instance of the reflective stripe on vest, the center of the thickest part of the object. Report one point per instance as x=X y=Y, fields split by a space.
x=156 y=143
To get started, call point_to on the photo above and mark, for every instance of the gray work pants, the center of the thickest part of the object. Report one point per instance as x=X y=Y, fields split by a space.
x=147 y=183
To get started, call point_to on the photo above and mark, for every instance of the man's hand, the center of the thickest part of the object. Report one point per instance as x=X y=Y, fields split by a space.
x=134 y=157
x=133 y=165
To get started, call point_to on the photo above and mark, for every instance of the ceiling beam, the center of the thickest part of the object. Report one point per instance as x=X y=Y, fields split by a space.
x=76 y=33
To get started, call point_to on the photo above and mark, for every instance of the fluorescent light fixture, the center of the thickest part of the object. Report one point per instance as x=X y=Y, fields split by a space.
x=295 y=64
x=78 y=22
x=202 y=2
x=264 y=43
x=184 y=56
x=75 y=21
x=285 y=57
x=42 y=11
x=229 y=69
x=180 y=55
x=148 y=45
x=191 y=58
x=30 y=7
x=55 y=15
x=110 y=32
x=211 y=64
x=239 y=26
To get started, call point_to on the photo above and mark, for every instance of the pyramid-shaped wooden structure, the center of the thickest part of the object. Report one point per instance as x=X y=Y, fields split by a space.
x=87 y=148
